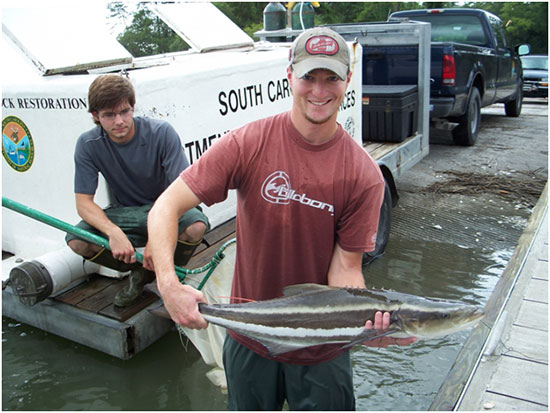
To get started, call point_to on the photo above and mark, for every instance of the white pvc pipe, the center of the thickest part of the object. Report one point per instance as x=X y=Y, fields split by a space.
x=65 y=267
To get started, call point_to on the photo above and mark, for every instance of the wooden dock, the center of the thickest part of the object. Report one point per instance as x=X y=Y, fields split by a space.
x=85 y=314
x=504 y=363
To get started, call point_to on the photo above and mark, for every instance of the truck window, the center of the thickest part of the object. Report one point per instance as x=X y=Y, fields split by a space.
x=453 y=28
x=498 y=30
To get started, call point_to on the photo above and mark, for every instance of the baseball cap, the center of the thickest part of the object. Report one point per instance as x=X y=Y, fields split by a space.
x=320 y=48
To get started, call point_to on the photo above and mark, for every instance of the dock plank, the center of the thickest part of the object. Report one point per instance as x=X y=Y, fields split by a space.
x=537 y=290
x=520 y=344
x=102 y=301
x=533 y=315
x=505 y=403
x=87 y=289
x=541 y=270
x=122 y=314
x=521 y=379
x=103 y=298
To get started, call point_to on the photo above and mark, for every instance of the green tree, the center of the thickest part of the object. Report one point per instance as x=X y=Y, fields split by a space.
x=147 y=34
x=336 y=12
x=526 y=22
x=354 y=12
x=247 y=15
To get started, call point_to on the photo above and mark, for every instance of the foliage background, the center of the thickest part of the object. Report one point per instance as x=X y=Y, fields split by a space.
x=146 y=34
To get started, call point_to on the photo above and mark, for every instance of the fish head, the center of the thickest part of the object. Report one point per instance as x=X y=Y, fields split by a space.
x=439 y=320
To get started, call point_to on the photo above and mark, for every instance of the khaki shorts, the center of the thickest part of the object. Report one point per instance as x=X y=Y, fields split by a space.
x=133 y=222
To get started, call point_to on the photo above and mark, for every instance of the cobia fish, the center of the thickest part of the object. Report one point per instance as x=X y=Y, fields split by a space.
x=312 y=314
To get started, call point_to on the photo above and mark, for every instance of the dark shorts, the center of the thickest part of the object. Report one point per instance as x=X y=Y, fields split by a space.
x=133 y=222
x=257 y=383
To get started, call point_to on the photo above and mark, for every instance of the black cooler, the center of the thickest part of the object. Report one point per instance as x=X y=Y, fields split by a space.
x=389 y=112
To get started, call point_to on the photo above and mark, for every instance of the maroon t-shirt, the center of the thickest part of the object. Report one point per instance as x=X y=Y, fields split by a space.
x=295 y=201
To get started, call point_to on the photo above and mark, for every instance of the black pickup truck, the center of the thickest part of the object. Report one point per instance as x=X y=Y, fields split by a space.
x=473 y=65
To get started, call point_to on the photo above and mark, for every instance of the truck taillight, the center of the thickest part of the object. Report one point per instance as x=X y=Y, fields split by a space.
x=449 y=70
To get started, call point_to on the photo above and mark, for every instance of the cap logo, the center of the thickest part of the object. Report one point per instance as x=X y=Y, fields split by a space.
x=322 y=45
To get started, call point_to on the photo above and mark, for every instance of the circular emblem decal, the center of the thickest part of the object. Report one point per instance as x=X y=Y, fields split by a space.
x=322 y=45
x=276 y=188
x=17 y=145
x=350 y=126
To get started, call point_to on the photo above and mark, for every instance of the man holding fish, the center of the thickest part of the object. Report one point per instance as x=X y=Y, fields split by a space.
x=308 y=207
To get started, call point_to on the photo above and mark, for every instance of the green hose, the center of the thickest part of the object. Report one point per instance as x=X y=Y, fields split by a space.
x=102 y=242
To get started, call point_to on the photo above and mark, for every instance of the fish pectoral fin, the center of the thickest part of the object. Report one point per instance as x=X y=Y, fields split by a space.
x=275 y=348
x=368 y=335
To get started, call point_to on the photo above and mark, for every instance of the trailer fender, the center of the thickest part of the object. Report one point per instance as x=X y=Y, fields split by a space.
x=384 y=223
x=388 y=177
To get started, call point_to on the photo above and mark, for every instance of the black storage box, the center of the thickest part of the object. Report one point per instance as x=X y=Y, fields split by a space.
x=389 y=112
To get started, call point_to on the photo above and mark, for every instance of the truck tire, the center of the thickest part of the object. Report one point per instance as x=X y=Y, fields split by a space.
x=465 y=134
x=512 y=108
x=384 y=226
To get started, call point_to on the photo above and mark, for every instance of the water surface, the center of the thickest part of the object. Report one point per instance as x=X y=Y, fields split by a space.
x=41 y=371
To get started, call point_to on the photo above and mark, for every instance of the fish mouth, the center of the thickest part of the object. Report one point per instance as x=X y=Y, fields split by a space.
x=470 y=318
x=471 y=315
x=476 y=316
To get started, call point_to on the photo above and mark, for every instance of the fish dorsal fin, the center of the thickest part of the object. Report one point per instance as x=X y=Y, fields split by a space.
x=296 y=289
